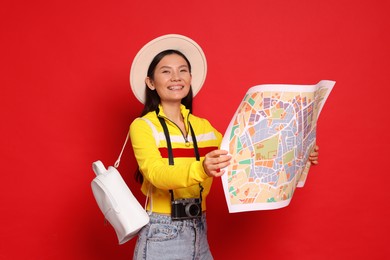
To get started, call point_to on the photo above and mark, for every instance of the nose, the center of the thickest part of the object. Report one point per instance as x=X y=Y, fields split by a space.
x=175 y=75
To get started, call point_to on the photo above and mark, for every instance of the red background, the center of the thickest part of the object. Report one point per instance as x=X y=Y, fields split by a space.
x=66 y=102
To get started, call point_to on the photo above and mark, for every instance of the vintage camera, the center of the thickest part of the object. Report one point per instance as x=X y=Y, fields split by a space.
x=186 y=208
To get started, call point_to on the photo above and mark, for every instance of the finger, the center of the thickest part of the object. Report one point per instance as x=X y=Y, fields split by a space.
x=218 y=173
x=215 y=169
x=218 y=159
x=217 y=153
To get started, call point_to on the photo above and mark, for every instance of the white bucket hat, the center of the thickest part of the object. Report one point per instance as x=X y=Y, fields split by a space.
x=144 y=57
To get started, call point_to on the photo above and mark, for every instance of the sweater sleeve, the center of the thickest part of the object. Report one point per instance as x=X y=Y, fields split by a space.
x=155 y=168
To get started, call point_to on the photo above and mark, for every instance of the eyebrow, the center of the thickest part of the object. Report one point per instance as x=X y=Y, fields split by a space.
x=169 y=67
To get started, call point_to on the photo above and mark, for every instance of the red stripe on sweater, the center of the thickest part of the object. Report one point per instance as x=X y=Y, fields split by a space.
x=185 y=152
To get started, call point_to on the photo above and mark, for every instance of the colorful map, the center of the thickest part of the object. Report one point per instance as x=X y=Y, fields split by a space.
x=270 y=138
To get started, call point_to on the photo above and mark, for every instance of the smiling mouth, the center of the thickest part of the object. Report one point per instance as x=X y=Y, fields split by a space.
x=175 y=87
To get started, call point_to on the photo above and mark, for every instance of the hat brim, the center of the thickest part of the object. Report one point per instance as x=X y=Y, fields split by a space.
x=144 y=57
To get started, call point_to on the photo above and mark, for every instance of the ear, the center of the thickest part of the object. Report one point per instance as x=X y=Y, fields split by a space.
x=149 y=83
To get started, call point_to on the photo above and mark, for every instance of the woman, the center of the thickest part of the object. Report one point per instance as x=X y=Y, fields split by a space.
x=177 y=152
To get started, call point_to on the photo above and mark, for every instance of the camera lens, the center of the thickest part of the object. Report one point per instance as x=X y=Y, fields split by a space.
x=192 y=210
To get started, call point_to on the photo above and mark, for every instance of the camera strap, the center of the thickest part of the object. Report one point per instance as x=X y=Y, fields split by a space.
x=170 y=151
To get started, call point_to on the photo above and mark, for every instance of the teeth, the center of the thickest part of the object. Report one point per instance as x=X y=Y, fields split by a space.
x=175 y=87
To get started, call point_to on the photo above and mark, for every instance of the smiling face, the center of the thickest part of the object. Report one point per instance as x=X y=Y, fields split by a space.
x=171 y=78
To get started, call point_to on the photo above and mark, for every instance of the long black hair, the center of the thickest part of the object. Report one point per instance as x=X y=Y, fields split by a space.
x=152 y=99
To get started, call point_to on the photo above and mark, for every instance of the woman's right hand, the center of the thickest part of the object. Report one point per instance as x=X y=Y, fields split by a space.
x=214 y=161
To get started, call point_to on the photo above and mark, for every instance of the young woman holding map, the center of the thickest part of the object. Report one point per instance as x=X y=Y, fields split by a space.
x=177 y=152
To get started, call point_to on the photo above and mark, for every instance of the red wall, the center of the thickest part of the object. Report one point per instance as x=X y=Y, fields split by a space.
x=66 y=102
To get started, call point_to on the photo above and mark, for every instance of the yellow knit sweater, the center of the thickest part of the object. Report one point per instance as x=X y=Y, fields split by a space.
x=150 y=149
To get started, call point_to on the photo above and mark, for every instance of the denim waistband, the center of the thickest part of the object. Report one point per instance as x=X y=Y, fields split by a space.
x=165 y=219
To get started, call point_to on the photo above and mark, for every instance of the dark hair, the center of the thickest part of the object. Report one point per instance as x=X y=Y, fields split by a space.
x=152 y=99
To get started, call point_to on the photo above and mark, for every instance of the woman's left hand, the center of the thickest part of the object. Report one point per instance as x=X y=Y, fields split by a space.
x=313 y=157
x=214 y=161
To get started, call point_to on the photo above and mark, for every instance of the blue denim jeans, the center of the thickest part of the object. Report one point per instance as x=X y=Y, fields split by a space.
x=163 y=239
